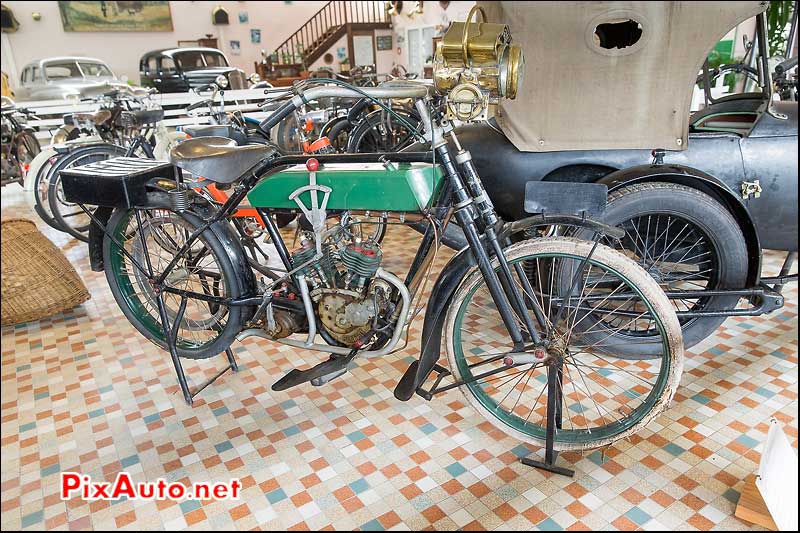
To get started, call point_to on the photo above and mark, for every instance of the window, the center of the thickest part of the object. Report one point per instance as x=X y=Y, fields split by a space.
x=151 y=65
x=196 y=60
x=35 y=74
x=167 y=66
x=420 y=48
x=190 y=60
x=215 y=60
x=56 y=71
x=95 y=70
x=24 y=77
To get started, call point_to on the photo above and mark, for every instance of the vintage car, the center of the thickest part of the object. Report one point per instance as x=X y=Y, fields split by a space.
x=699 y=195
x=176 y=70
x=59 y=77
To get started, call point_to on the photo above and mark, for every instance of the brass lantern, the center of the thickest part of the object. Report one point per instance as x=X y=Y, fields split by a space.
x=476 y=65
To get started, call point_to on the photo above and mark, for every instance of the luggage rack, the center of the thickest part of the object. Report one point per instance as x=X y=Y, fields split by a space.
x=121 y=182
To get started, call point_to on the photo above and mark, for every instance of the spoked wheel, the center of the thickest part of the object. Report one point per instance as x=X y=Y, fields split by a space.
x=206 y=328
x=687 y=241
x=381 y=132
x=603 y=397
x=68 y=216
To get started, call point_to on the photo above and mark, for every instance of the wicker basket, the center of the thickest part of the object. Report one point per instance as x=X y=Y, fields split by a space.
x=36 y=281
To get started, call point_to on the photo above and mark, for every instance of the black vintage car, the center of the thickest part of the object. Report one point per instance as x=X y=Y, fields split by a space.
x=177 y=70
x=699 y=195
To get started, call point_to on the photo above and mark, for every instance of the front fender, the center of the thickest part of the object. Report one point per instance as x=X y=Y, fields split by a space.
x=702 y=181
x=448 y=282
x=442 y=293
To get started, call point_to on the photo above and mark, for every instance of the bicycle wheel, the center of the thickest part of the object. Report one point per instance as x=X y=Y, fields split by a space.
x=68 y=216
x=381 y=132
x=206 y=329
x=602 y=397
x=41 y=189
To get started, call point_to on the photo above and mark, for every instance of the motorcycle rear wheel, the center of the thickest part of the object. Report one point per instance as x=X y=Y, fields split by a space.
x=206 y=329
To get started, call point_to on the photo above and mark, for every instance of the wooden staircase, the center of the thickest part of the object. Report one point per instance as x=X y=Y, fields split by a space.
x=327 y=26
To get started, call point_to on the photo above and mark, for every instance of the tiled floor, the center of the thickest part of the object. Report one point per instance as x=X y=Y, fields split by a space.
x=84 y=392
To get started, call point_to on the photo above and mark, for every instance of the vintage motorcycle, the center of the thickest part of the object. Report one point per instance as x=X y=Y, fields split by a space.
x=528 y=327
x=19 y=144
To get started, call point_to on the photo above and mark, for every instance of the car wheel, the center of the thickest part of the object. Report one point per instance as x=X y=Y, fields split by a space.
x=687 y=241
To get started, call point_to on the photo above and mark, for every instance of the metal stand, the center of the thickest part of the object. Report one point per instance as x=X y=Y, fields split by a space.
x=172 y=334
x=554 y=379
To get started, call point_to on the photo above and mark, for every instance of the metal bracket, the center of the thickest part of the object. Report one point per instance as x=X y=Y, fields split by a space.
x=751 y=188
x=316 y=215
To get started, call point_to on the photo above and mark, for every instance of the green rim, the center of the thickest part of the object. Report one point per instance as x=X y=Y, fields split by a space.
x=132 y=301
x=563 y=435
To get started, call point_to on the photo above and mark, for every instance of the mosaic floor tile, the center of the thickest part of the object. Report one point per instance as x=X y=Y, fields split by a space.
x=82 y=391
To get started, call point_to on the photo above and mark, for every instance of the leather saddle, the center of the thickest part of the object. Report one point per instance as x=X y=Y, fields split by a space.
x=218 y=159
x=98 y=117
x=217 y=130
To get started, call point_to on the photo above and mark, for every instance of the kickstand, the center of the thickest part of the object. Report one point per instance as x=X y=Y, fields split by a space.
x=554 y=379
x=171 y=335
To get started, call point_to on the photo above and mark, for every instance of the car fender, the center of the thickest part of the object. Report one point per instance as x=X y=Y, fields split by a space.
x=704 y=182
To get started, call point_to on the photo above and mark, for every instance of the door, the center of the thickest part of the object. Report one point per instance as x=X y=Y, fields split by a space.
x=169 y=79
x=770 y=157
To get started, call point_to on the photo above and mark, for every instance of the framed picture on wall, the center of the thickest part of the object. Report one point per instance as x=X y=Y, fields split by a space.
x=236 y=48
x=255 y=36
x=384 y=42
x=115 y=16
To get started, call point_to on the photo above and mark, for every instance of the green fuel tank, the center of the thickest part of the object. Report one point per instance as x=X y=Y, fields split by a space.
x=406 y=187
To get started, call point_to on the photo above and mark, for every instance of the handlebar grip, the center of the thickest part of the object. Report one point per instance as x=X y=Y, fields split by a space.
x=788 y=64
x=281 y=113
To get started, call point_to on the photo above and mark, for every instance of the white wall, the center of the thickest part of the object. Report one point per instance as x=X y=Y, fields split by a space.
x=122 y=50
x=432 y=15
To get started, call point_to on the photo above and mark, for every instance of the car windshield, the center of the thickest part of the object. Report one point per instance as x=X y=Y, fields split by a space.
x=194 y=60
x=95 y=70
x=59 y=71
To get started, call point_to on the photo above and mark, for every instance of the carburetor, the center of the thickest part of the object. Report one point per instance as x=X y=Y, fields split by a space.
x=476 y=65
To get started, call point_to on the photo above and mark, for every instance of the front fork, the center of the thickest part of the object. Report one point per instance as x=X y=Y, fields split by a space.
x=501 y=285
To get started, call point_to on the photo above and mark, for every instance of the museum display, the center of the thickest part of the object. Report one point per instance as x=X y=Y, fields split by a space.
x=359 y=266
x=181 y=275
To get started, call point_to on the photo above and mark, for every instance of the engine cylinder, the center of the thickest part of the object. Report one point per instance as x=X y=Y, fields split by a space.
x=362 y=259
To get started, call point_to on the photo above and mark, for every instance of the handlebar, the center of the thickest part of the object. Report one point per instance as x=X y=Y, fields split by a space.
x=783 y=66
x=196 y=105
x=389 y=91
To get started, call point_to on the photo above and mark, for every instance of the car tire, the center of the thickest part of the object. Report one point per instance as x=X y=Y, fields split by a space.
x=709 y=218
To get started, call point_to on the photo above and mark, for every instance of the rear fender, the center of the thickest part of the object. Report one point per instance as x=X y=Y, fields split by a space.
x=697 y=179
x=222 y=230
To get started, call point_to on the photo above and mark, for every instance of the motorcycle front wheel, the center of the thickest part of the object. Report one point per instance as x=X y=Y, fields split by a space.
x=602 y=396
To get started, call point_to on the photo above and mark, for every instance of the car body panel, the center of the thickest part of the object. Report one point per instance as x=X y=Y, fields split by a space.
x=163 y=70
x=768 y=153
x=35 y=84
